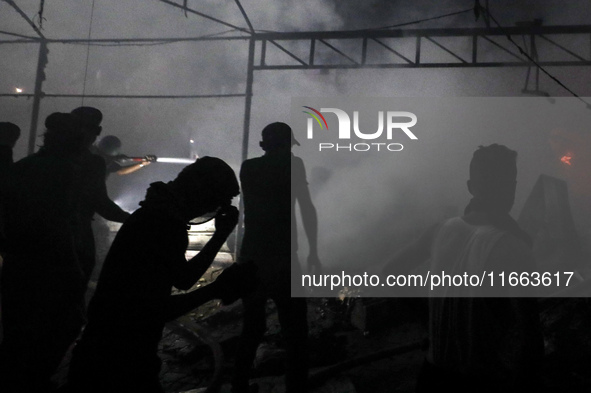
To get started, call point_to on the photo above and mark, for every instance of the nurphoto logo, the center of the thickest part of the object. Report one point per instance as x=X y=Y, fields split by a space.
x=396 y=123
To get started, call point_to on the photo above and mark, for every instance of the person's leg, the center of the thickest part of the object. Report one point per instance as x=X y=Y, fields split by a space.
x=107 y=362
x=30 y=357
x=13 y=362
x=294 y=326
x=87 y=251
x=41 y=321
x=253 y=331
x=115 y=382
x=430 y=379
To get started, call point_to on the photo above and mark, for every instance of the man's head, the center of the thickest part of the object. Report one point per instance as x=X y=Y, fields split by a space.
x=206 y=185
x=493 y=175
x=277 y=136
x=90 y=119
x=109 y=145
x=9 y=134
x=63 y=135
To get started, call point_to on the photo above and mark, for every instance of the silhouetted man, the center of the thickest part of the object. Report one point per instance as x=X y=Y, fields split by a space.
x=479 y=344
x=132 y=302
x=42 y=282
x=94 y=189
x=271 y=185
x=9 y=134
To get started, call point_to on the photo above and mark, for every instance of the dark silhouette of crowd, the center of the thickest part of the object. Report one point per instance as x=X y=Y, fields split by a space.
x=48 y=201
x=47 y=204
x=42 y=278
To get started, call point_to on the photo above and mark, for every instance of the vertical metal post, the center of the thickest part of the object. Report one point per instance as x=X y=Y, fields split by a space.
x=246 y=134
x=486 y=15
x=364 y=51
x=474 y=49
x=534 y=55
x=41 y=63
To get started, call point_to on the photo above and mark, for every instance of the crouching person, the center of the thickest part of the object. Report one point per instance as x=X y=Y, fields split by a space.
x=133 y=301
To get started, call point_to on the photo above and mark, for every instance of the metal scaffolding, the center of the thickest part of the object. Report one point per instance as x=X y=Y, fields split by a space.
x=357 y=49
x=374 y=42
x=362 y=49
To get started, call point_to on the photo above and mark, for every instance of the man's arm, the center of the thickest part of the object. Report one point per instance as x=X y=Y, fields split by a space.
x=187 y=274
x=5 y=159
x=133 y=168
x=307 y=211
x=234 y=282
x=109 y=210
x=310 y=222
x=104 y=206
x=5 y=164
x=126 y=170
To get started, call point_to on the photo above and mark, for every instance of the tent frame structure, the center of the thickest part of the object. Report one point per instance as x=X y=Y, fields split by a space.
x=335 y=48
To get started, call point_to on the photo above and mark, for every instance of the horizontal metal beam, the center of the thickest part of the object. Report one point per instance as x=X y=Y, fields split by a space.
x=44 y=95
x=324 y=35
x=144 y=40
x=19 y=42
x=422 y=65
x=34 y=40
x=449 y=32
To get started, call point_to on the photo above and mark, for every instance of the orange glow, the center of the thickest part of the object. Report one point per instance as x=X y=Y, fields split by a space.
x=566 y=159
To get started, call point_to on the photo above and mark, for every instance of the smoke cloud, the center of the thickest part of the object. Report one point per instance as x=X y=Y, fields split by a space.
x=164 y=127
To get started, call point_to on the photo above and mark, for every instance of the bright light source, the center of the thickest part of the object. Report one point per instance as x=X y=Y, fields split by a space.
x=191 y=140
x=18 y=90
x=171 y=160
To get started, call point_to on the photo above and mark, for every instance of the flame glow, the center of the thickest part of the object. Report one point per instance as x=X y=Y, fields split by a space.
x=18 y=89
x=566 y=159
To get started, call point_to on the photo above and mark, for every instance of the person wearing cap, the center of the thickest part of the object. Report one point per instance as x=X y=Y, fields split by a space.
x=271 y=186
x=42 y=283
x=94 y=188
x=132 y=302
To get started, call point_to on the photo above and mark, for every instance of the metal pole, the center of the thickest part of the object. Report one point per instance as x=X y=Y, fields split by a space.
x=245 y=16
x=41 y=63
x=245 y=135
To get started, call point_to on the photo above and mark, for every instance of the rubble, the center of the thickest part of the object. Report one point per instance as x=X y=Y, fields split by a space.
x=374 y=345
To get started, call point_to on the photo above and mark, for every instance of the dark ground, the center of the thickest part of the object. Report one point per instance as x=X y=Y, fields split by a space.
x=340 y=332
x=188 y=362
